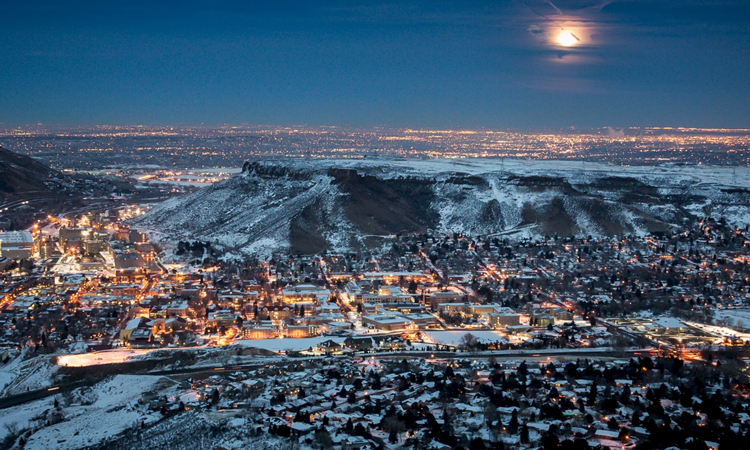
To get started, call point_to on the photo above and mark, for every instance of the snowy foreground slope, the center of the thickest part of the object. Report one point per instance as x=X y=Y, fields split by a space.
x=343 y=204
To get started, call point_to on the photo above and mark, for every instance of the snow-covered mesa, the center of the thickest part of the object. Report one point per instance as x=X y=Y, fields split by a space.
x=344 y=204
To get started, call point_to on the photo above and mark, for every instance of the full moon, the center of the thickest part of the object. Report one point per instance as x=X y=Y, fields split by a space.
x=566 y=39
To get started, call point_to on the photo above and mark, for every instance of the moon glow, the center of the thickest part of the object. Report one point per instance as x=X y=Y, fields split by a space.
x=566 y=39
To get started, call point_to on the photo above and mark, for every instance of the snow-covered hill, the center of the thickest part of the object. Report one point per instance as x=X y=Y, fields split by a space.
x=338 y=204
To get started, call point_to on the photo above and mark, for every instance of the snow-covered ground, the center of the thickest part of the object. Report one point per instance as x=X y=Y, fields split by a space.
x=277 y=345
x=454 y=337
x=114 y=411
x=251 y=213
x=7 y=375
x=21 y=417
x=720 y=331
x=203 y=356
x=739 y=318
x=104 y=357
x=21 y=375
x=478 y=166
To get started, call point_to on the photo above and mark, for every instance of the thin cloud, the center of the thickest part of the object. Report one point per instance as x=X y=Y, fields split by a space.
x=557 y=10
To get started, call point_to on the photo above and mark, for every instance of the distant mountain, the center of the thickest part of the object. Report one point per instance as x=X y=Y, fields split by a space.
x=30 y=189
x=21 y=176
x=339 y=205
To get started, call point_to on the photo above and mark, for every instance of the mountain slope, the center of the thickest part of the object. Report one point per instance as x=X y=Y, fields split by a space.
x=21 y=176
x=340 y=205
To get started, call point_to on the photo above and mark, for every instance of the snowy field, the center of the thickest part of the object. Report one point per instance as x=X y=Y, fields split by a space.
x=105 y=357
x=277 y=345
x=739 y=318
x=720 y=331
x=454 y=337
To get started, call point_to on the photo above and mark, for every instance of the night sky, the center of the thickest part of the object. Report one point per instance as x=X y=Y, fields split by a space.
x=420 y=64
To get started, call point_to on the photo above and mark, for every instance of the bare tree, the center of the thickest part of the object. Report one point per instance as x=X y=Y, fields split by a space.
x=467 y=341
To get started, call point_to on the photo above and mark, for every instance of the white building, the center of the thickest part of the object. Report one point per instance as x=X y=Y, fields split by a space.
x=16 y=244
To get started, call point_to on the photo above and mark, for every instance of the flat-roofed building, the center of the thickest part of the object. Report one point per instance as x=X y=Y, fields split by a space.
x=221 y=318
x=132 y=325
x=141 y=338
x=16 y=245
x=504 y=320
x=301 y=331
x=276 y=313
x=305 y=293
x=388 y=294
x=236 y=299
x=454 y=307
x=353 y=292
x=128 y=261
x=94 y=246
x=46 y=248
x=403 y=308
x=560 y=314
x=177 y=308
x=70 y=234
x=423 y=321
x=371 y=308
x=396 y=277
x=258 y=332
x=446 y=296
x=482 y=309
x=542 y=320
x=388 y=322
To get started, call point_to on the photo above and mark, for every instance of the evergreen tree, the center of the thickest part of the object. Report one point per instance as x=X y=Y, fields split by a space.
x=523 y=370
x=636 y=419
x=592 y=395
x=477 y=444
x=513 y=424
x=525 y=434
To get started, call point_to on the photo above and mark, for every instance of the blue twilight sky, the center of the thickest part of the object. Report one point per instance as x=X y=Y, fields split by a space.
x=397 y=63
